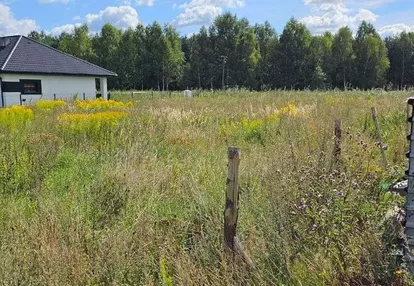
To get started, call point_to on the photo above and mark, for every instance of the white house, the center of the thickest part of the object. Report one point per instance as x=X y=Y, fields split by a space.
x=30 y=71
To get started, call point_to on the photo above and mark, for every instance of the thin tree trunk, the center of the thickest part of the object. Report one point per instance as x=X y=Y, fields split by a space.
x=163 y=74
x=403 y=71
x=344 y=78
x=199 y=79
x=224 y=70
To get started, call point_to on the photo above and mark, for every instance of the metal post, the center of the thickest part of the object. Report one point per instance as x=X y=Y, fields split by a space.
x=84 y=96
x=54 y=96
x=409 y=207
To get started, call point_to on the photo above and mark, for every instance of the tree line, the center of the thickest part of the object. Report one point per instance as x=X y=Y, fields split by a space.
x=233 y=53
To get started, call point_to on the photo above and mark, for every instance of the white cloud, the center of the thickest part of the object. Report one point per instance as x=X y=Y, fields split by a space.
x=145 y=2
x=121 y=17
x=9 y=25
x=330 y=15
x=54 y=1
x=217 y=3
x=333 y=20
x=203 y=12
x=69 y=28
x=138 y=2
x=202 y=15
x=395 y=29
x=365 y=15
x=322 y=2
x=333 y=7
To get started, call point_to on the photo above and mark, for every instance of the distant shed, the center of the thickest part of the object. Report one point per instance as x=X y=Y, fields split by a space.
x=188 y=93
x=30 y=71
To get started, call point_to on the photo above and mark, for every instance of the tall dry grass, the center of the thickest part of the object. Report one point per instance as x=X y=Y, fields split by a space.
x=141 y=201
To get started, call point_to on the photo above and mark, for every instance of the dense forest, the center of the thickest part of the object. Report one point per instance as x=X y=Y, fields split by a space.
x=231 y=53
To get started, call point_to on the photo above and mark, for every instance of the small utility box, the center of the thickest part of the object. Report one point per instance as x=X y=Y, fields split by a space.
x=188 y=93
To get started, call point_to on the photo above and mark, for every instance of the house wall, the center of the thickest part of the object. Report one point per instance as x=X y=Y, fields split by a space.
x=65 y=87
x=1 y=94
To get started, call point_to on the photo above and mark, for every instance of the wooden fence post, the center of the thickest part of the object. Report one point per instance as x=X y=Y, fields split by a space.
x=377 y=127
x=231 y=242
x=54 y=96
x=409 y=205
x=338 y=142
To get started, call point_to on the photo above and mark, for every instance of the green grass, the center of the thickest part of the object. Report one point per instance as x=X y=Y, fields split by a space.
x=142 y=201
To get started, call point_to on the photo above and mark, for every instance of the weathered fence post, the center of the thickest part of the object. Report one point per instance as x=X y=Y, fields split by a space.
x=377 y=127
x=409 y=207
x=231 y=242
x=338 y=142
x=232 y=197
x=54 y=96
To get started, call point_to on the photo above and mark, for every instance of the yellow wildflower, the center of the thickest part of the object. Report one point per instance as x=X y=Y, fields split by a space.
x=49 y=104
x=371 y=100
x=100 y=104
x=94 y=122
x=15 y=117
x=289 y=110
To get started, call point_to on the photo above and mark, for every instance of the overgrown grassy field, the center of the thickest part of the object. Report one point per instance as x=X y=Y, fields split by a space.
x=133 y=193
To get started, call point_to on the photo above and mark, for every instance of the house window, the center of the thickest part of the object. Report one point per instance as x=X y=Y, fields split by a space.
x=31 y=86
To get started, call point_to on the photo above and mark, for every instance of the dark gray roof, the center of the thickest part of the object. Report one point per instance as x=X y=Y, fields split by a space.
x=24 y=55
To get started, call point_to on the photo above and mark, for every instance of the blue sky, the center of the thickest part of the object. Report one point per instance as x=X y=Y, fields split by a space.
x=55 y=16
